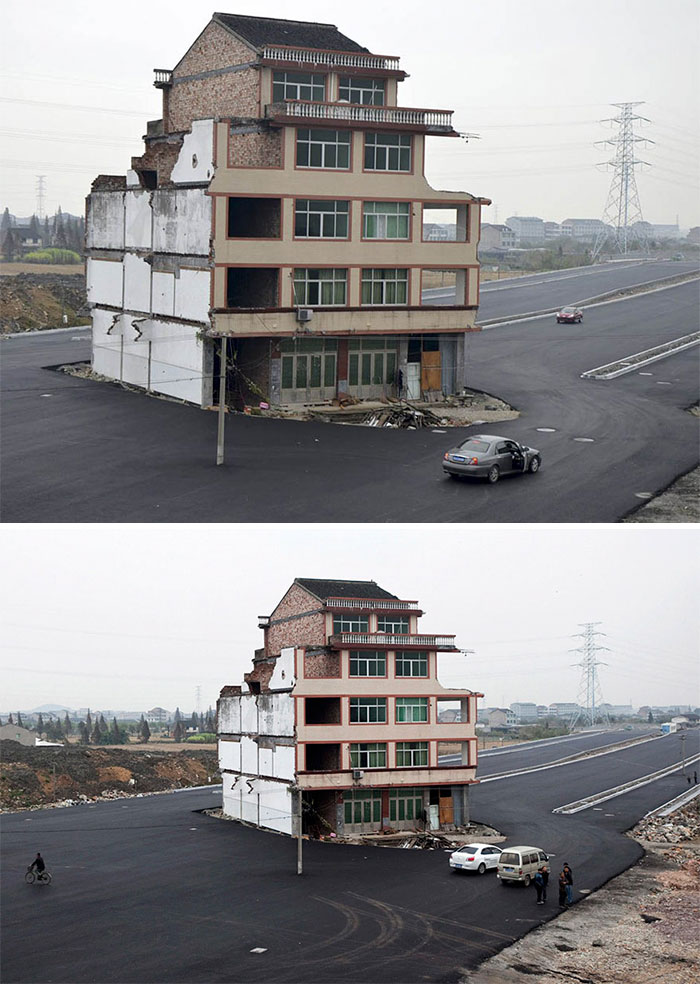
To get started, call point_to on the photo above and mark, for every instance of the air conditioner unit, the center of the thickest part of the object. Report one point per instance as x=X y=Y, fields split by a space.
x=304 y=314
x=357 y=773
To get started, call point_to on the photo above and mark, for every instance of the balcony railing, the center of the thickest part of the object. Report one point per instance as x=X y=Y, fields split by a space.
x=163 y=76
x=372 y=604
x=349 y=113
x=380 y=640
x=334 y=59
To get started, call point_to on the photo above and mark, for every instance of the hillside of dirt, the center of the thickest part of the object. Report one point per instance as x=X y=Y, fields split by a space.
x=32 y=301
x=33 y=776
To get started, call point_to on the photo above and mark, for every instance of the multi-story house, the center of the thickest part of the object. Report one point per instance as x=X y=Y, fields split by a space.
x=583 y=229
x=496 y=237
x=527 y=228
x=280 y=215
x=345 y=704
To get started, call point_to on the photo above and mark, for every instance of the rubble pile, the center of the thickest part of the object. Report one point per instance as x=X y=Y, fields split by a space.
x=404 y=415
x=683 y=825
x=32 y=776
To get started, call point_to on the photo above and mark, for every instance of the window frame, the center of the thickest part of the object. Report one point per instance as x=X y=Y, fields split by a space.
x=372 y=210
x=322 y=214
x=392 y=147
x=394 y=620
x=411 y=703
x=362 y=751
x=412 y=749
x=368 y=656
x=319 y=282
x=409 y=656
x=352 y=621
x=385 y=283
x=327 y=145
x=323 y=85
x=363 y=708
x=359 y=84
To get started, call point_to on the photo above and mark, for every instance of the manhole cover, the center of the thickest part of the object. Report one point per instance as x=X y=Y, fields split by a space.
x=644 y=495
x=646 y=374
x=46 y=394
x=660 y=382
x=547 y=430
x=584 y=440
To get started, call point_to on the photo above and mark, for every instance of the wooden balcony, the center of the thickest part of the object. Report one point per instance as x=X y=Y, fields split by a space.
x=352 y=115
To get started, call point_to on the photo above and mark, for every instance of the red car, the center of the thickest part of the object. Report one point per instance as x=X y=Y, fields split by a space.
x=569 y=315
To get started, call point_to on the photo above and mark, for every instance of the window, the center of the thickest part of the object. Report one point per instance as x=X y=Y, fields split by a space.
x=321 y=220
x=316 y=286
x=368 y=755
x=406 y=804
x=368 y=710
x=387 y=152
x=362 y=806
x=385 y=220
x=411 y=710
x=385 y=286
x=323 y=148
x=350 y=623
x=308 y=363
x=393 y=624
x=410 y=664
x=410 y=754
x=371 y=361
x=365 y=92
x=298 y=85
x=367 y=663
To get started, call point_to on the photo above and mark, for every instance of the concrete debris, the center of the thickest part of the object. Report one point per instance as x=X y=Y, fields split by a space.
x=683 y=825
x=404 y=416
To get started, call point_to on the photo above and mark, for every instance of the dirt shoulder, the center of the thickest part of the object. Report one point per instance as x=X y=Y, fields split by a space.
x=35 y=301
x=640 y=928
x=34 y=777
x=679 y=503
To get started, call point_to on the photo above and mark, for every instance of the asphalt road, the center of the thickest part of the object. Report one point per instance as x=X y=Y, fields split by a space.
x=150 y=890
x=79 y=451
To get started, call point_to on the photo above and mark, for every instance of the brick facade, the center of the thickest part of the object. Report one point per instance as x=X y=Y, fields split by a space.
x=234 y=93
x=161 y=156
x=318 y=665
x=307 y=625
x=260 y=149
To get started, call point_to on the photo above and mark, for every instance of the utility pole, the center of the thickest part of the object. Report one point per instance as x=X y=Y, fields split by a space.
x=222 y=402
x=296 y=790
x=623 y=212
x=40 y=193
x=589 y=688
x=682 y=739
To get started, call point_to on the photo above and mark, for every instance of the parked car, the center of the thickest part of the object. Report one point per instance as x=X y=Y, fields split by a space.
x=488 y=456
x=569 y=315
x=475 y=857
x=520 y=864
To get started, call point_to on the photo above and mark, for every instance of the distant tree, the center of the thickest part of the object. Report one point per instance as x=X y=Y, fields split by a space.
x=178 y=717
x=117 y=735
x=178 y=732
x=10 y=244
x=194 y=721
x=67 y=726
x=19 y=720
x=40 y=724
x=6 y=221
x=650 y=718
x=96 y=734
x=46 y=234
x=210 y=722
x=104 y=727
x=144 y=730
x=9 y=720
x=83 y=733
x=88 y=722
x=34 y=229
x=0 y=722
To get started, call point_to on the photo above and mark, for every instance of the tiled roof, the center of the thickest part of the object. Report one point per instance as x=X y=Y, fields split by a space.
x=342 y=589
x=259 y=31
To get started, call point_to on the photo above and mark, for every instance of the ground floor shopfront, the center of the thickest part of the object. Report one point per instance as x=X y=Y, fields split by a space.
x=319 y=369
x=358 y=810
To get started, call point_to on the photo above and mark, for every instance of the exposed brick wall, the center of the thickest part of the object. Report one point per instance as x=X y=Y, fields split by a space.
x=109 y=182
x=160 y=156
x=307 y=630
x=214 y=48
x=261 y=673
x=262 y=149
x=321 y=664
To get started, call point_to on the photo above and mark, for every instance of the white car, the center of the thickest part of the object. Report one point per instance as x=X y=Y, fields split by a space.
x=475 y=857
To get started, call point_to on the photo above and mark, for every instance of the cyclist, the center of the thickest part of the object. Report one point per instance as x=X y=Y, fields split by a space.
x=37 y=863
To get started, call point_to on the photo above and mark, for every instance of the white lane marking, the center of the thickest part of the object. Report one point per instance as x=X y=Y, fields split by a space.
x=547 y=430
x=570 y=760
x=643 y=358
x=585 y=440
x=578 y=805
x=644 y=495
x=670 y=806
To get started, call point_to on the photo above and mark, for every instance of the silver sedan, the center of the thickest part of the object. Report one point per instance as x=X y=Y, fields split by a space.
x=488 y=456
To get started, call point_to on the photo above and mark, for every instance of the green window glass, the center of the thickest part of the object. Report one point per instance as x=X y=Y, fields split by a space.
x=315 y=377
x=411 y=754
x=368 y=755
x=367 y=663
x=287 y=372
x=360 y=806
x=405 y=804
x=353 y=369
x=350 y=623
x=329 y=370
x=411 y=664
x=411 y=710
x=368 y=710
x=366 y=369
x=301 y=374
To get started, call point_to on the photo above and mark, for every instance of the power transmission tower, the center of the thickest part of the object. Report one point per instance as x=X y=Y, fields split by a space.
x=197 y=698
x=40 y=193
x=623 y=212
x=590 y=697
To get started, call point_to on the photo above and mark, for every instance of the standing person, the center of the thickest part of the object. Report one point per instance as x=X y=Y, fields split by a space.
x=539 y=886
x=562 y=890
x=545 y=880
x=569 y=875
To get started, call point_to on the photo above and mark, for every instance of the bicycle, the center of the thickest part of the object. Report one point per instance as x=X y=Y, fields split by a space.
x=42 y=877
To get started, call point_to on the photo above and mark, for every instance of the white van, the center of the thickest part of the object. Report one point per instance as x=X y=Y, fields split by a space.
x=520 y=864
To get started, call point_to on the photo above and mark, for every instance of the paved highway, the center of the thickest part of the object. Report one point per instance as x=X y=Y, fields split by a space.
x=150 y=890
x=79 y=451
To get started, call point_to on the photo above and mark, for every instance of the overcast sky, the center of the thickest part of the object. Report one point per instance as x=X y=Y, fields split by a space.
x=128 y=617
x=532 y=79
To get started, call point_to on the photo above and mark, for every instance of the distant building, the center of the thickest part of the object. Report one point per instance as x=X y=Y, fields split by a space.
x=527 y=228
x=502 y=717
x=583 y=229
x=552 y=230
x=524 y=712
x=15 y=732
x=157 y=715
x=496 y=237
x=563 y=710
x=694 y=235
